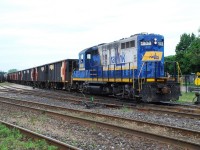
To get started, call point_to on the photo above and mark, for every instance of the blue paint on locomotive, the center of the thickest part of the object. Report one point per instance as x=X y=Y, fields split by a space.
x=90 y=62
x=157 y=44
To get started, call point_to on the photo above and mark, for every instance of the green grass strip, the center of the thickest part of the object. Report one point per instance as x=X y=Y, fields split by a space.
x=12 y=139
x=187 y=97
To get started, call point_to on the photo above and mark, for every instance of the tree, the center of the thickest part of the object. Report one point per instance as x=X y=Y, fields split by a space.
x=185 y=41
x=169 y=67
x=193 y=55
x=182 y=49
x=187 y=53
x=12 y=70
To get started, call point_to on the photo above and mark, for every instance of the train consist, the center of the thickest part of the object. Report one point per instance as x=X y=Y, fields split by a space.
x=131 y=68
x=53 y=75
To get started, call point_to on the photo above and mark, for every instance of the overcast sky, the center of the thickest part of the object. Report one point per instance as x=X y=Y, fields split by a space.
x=35 y=32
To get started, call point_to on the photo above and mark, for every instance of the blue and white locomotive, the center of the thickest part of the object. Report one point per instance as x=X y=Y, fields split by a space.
x=128 y=68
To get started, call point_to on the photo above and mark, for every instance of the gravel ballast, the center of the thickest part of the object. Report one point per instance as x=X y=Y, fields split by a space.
x=90 y=136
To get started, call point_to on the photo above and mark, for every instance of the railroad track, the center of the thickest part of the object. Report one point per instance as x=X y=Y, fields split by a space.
x=78 y=98
x=173 y=135
x=186 y=105
x=49 y=140
x=103 y=98
x=177 y=110
x=181 y=108
x=193 y=112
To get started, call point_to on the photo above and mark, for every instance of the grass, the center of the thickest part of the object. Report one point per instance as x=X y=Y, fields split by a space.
x=12 y=139
x=5 y=83
x=187 y=97
x=188 y=84
x=125 y=109
x=41 y=118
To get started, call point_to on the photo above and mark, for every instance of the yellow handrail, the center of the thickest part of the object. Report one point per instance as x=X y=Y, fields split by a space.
x=139 y=76
x=179 y=71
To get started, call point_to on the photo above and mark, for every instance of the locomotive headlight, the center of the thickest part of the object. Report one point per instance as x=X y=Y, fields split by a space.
x=155 y=41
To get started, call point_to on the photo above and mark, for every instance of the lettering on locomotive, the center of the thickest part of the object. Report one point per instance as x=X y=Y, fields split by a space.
x=152 y=56
x=145 y=43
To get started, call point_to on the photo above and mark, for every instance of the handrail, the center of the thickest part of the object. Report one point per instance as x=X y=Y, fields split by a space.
x=139 y=77
x=179 y=69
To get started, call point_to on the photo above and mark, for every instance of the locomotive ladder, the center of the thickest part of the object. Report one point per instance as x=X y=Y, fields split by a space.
x=93 y=73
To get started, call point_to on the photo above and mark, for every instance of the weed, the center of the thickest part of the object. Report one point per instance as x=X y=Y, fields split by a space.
x=68 y=133
x=13 y=139
x=186 y=97
x=94 y=127
x=74 y=142
x=43 y=118
x=125 y=109
x=33 y=119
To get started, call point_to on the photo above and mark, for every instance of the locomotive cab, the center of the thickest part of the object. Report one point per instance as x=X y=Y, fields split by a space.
x=89 y=58
x=85 y=78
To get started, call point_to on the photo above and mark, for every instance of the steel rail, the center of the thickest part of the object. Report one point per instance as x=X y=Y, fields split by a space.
x=162 y=138
x=49 y=140
x=173 y=110
x=66 y=93
x=194 y=115
x=173 y=104
x=70 y=99
x=111 y=117
x=170 y=110
x=179 y=108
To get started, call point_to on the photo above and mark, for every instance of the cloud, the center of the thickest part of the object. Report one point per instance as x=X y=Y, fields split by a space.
x=41 y=31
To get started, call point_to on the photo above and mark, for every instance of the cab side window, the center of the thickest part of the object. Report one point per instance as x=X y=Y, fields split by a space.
x=81 y=61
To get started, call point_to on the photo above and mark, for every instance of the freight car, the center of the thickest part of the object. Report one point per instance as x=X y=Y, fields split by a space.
x=2 y=76
x=131 y=68
x=128 y=68
x=55 y=75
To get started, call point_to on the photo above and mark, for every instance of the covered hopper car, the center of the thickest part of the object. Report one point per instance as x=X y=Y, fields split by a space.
x=53 y=75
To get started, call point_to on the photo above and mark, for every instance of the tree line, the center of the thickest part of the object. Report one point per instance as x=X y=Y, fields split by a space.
x=187 y=54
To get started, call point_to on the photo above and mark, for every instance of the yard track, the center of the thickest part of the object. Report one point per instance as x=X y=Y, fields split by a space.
x=190 y=111
x=182 y=137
